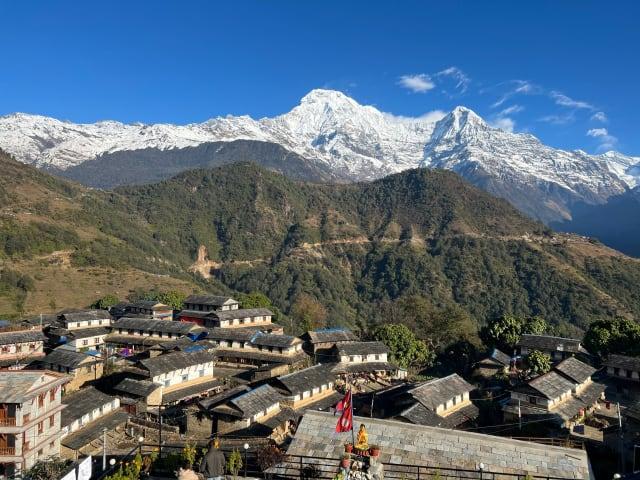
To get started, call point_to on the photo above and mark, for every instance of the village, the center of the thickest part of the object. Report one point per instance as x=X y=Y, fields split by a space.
x=143 y=385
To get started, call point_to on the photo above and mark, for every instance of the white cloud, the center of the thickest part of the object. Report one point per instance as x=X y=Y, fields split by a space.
x=599 y=117
x=565 y=101
x=419 y=83
x=607 y=141
x=429 y=117
x=558 y=119
x=519 y=87
x=503 y=123
x=511 y=110
x=461 y=78
x=598 y=132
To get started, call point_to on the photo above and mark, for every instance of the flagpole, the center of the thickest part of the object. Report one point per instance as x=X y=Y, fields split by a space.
x=353 y=435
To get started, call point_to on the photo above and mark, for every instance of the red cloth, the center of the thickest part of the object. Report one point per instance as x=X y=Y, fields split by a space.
x=345 y=422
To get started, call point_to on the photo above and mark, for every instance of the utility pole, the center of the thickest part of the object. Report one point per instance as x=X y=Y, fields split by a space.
x=519 y=416
x=621 y=437
x=104 y=449
x=160 y=432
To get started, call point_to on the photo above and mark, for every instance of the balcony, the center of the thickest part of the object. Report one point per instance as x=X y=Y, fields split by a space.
x=7 y=451
x=8 y=422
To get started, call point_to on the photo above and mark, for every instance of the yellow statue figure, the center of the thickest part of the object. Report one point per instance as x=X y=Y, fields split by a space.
x=362 y=440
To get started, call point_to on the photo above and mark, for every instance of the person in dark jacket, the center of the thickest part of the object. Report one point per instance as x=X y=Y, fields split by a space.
x=213 y=464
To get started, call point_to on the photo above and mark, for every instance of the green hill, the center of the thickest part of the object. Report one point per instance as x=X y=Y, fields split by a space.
x=360 y=249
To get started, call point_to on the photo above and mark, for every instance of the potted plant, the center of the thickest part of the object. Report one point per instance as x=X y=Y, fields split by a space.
x=348 y=447
x=346 y=461
x=234 y=463
x=374 y=451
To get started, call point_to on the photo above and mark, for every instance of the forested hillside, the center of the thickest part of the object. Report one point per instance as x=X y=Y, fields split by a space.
x=366 y=252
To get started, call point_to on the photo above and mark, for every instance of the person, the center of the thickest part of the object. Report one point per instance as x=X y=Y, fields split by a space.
x=213 y=464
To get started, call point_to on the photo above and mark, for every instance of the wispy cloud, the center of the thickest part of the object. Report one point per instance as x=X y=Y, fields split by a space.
x=518 y=87
x=607 y=141
x=419 y=83
x=503 y=123
x=565 y=101
x=511 y=110
x=462 y=79
x=599 y=117
x=554 y=119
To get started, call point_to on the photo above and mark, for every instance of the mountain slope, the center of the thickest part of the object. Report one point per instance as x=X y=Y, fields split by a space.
x=338 y=139
x=357 y=248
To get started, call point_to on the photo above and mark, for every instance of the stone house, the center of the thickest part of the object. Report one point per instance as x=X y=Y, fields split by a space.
x=30 y=408
x=256 y=412
x=257 y=348
x=87 y=412
x=178 y=371
x=151 y=308
x=566 y=393
x=362 y=358
x=308 y=388
x=80 y=367
x=19 y=346
x=136 y=394
x=558 y=348
x=320 y=342
x=139 y=334
x=496 y=362
x=441 y=402
x=231 y=318
x=623 y=367
x=209 y=303
x=80 y=330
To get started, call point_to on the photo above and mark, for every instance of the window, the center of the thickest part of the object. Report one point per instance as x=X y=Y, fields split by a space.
x=167 y=383
x=52 y=395
x=40 y=428
x=41 y=400
x=201 y=373
x=629 y=372
x=99 y=322
x=5 y=349
x=32 y=346
x=52 y=421
x=185 y=377
x=52 y=445
x=532 y=400
x=85 y=342
x=25 y=418
x=40 y=452
x=96 y=340
x=616 y=371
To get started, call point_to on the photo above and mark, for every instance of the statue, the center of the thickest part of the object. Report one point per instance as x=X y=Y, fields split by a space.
x=362 y=440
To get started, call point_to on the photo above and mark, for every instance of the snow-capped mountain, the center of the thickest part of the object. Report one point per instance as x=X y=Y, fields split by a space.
x=354 y=142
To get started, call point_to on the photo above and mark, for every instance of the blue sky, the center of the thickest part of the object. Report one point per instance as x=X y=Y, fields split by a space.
x=566 y=71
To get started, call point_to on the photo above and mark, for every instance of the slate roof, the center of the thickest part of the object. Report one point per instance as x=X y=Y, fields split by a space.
x=185 y=344
x=190 y=391
x=267 y=357
x=124 y=339
x=256 y=400
x=241 y=313
x=363 y=367
x=437 y=447
x=152 y=325
x=93 y=430
x=500 y=357
x=212 y=300
x=16 y=386
x=149 y=305
x=420 y=415
x=67 y=358
x=549 y=343
x=212 y=401
x=362 y=348
x=21 y=336
x=623 y=361
x=331 y=335
x=82 y=402
x=175 y=361
x=136 y=388
x=86 y=315
x=194 y=314
x=274 y=340
x=551 y=385
x=80 y=332
x=242 y=334
x=307 y=378
x=439 y=390
x=575 y=370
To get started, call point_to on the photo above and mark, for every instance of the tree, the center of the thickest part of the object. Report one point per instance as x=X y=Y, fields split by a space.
x=538 y=362
x=172 y=298
x=619 y=335
x=535 y=326
x=257 y=299
x=308 y=313
x=189 y=454
x=503 y=332
x=47 y=469
x=105 y=302
x=404 y=348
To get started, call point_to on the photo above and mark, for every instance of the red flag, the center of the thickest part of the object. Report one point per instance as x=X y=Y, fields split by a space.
x=345 y=422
